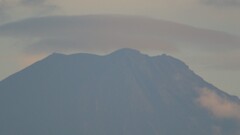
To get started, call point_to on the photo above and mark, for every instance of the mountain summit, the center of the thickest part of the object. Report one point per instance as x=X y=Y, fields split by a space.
x=122 y=93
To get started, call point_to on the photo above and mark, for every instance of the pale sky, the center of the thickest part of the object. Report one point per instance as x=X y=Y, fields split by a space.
x=205 y=34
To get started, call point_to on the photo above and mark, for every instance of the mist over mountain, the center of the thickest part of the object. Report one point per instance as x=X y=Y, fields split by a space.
x=122 y=93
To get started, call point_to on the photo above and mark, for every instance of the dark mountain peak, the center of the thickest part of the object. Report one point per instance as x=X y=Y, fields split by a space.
x=170 y=61
x=166 y=56
x=57 y=54
x=169 y=58
x=126 y=52
x=135 y=53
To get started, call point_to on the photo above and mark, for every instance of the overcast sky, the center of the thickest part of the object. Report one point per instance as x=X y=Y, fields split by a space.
x=205 y=34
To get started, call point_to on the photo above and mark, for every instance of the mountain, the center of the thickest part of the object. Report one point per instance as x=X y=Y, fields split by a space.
x=122 y=93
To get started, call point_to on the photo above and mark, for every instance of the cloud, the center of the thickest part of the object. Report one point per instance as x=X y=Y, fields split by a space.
x=110 y=32
x=105 y=33
x=33 y=2
x=18 y=9
x=222 y=3
x=39 y=6
x=219 y=106
x=3 y=9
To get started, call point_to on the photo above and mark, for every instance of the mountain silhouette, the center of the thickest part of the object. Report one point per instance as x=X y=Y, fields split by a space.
x=122 y=93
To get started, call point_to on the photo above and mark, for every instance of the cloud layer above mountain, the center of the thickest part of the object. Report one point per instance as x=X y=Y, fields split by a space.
x=105 y=33
x=222 y=3
x=110 y=32
x=13 y=9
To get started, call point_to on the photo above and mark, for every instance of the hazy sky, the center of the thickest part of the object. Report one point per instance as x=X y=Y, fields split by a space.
x=203 y=33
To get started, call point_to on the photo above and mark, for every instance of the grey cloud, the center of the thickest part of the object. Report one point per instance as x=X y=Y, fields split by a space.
x=13 y=9
x=3 y=11
x=33 y=2
x=222 y=3
x=43 y=5
x=110 y=32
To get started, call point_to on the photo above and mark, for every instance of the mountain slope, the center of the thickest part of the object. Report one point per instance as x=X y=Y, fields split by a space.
x=123 y=93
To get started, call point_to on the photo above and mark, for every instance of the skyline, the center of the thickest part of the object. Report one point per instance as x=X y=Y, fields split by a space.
x=215 y=59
